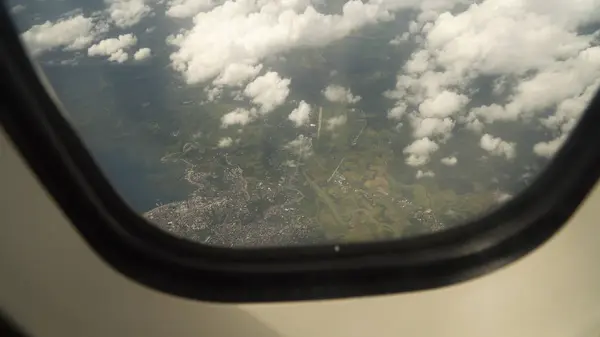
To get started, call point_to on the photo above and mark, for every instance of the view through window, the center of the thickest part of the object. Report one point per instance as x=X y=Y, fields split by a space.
x=255 y=123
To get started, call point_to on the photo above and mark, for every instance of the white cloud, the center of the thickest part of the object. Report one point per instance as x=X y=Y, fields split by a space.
x=187 y=8
x=238 y=116
x=73 y=33
x=397 y=112
x=449 y=161
x=498 y=37
x=236 y=74
x=500 y=86
x=497 y=147
x=413 y=27
x=301 y=147
x=225 y=142
x=565 y=117
x=335 y=122
x=114 y=48
x=247 y=31
x=127 y=13
x=568 y=111
x=174 y=39
x=301 y=114
x=142 y=54
x=493 y=112
x=540 y=55
x=565 y=80
x=548 y=149
x=415 y=89
x=119 y=56
x=418 y=63
x=111 y=45
x=429 y=127
x=213 y=93
x=425 y=174
x=339 y=94
x=419 y=151
x=474 y=125
x=268 y=91
x=443 y=105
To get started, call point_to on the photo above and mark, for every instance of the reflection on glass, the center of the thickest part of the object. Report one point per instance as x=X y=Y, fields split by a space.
x=287 y=122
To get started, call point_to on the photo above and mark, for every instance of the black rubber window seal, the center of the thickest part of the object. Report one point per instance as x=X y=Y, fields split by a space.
x=9 y=328
x=180 y=267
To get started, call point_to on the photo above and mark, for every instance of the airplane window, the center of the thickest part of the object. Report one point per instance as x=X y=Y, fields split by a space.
x=250 y=123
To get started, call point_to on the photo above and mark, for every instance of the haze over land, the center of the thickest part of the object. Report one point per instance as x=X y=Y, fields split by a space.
x=270 y=122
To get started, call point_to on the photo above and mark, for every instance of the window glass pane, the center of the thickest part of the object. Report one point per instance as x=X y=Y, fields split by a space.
x=284 y=122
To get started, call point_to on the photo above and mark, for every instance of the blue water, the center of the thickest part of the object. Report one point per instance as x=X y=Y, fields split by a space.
x=114 y=115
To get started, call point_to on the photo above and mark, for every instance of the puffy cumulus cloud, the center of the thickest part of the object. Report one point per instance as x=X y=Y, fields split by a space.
x=174 y=39
x=563 y=120
x=127 y=13
x=301 y=147
x=499 y=37
x=444 y=104
x=301 y=114
x=268 y=91
x=339 y=94
x=474 y=125
x=187 y=8
x=541 y=56
x=568 y=111
x=119 y=56
x=73 y=33
x=548 y=149
x=225 y=142
x=418 y=63
x=497 y=147
x=335 y=122
x=449 y=161
x=114 y=48
x=238 y=116
x=111 y=45
x=247 y=31
x=491 y=113
x=430 y=127
x=397 y=112
x=566 y=80
x=419 y=151
x=142 y=54
x=425 y=174
x=237 y=74
x=213 y=93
